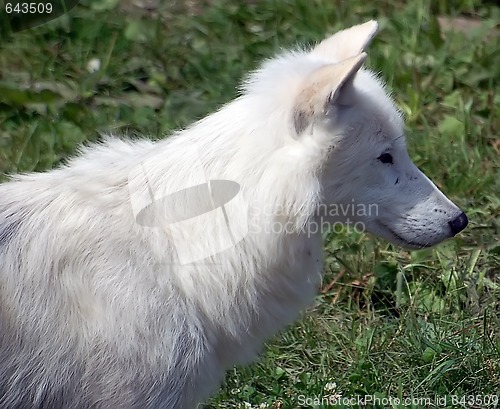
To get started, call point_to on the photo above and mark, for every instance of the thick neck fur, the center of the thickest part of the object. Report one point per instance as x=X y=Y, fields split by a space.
x=279 y=187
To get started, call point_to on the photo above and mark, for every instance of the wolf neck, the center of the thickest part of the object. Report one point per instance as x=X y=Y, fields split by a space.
x=279 y=191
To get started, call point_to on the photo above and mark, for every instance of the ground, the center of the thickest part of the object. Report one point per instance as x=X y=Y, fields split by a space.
x=387 y=323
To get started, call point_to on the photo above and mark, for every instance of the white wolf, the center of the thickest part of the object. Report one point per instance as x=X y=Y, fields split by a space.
x=137 y=274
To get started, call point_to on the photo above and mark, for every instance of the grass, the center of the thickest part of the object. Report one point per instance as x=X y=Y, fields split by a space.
x=388 y=323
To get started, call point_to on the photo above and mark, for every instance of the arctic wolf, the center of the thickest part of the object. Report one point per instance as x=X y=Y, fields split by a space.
x=136 y=275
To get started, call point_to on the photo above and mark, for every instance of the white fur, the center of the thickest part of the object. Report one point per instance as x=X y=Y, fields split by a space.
x=99 y=309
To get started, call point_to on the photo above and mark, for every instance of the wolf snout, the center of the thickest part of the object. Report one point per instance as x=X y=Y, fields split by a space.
x=458 y=223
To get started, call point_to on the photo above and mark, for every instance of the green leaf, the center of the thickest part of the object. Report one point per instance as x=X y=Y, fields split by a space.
x=451 y=126
x=139 y=31
x=103 y=5
x=435 y=33
x=428 y=355
x=12 y=95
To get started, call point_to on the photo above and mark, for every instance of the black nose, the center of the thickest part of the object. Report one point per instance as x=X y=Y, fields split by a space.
x=459 y=223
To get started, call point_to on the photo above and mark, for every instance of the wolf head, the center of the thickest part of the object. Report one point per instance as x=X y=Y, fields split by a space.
x=368 y=167
x=365 y=169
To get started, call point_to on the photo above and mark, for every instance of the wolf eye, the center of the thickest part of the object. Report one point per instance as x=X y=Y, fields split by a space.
x=385 y=158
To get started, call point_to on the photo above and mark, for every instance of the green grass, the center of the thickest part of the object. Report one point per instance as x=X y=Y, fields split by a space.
x=388 y=323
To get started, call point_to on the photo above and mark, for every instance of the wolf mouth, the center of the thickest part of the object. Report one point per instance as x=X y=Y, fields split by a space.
x=404 y=242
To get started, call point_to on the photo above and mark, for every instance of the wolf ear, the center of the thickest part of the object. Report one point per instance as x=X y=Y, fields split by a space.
x=322 y=90
x=347 y=43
